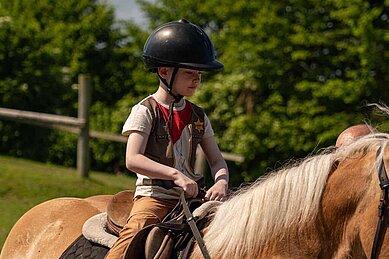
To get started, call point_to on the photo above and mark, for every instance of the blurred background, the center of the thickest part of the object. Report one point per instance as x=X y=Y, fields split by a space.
x=128 y=10
x=296 y=73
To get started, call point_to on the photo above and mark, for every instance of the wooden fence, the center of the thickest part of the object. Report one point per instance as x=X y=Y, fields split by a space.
x=80 y=126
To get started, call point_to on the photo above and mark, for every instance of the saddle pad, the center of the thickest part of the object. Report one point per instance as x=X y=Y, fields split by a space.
x=94 y=229
x=83 y=248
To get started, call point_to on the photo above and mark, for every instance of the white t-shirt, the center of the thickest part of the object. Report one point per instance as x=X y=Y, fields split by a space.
x=140 y=119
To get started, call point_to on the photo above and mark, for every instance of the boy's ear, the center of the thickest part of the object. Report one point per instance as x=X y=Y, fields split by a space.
x=163 y=72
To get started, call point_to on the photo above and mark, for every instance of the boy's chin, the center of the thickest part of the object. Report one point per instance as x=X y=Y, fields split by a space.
x=191 y=92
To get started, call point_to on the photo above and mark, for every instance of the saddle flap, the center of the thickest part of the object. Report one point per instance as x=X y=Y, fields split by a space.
x=136 y=248
x=159 y=243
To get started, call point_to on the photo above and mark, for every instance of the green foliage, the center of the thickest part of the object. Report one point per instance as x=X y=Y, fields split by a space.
x=296 y=72
x=45 y=45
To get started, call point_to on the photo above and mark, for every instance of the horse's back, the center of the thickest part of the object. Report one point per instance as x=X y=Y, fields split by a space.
x=100 y=201
x=49 y=228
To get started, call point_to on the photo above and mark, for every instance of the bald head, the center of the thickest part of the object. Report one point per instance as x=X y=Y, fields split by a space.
x=353 y=132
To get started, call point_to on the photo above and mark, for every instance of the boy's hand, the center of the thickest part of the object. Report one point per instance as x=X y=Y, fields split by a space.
x=218 y=191
x=188 y=185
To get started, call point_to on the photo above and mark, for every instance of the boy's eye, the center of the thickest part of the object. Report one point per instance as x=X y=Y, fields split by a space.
x=192 y=73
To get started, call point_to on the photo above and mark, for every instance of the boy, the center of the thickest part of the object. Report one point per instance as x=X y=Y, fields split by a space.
x=164 y=129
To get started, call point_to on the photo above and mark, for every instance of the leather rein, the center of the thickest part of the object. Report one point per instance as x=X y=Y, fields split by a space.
x=383 y=208
x=191 y=222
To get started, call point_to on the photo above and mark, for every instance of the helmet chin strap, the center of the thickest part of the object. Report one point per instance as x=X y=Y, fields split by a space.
x=177 y=98
x=169 y=86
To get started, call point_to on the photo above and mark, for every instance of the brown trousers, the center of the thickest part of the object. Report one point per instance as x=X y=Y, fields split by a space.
x=145 y=211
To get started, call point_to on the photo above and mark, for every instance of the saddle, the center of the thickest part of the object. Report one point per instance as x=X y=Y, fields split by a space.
x=100 y=232
x=172 y=238
x=118 y=211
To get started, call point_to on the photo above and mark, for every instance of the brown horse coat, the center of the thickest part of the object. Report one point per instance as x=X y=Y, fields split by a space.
x=49 y=228
x=342 y=226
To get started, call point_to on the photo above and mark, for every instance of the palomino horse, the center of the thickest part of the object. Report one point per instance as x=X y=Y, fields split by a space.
x=323 y=207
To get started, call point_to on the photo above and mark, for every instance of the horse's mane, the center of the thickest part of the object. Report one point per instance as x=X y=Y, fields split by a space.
x=279 y=201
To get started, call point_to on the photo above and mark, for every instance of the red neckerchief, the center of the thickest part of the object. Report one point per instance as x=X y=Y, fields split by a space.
x=180 y=119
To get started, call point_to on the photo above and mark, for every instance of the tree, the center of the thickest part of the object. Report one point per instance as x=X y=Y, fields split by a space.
x=45 y=45
x=296 y=72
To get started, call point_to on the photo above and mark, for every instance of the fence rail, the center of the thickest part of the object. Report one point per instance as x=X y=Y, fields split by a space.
x=40 y=118
x=80 y=126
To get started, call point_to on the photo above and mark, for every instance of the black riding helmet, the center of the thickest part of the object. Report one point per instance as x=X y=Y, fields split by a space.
x=179 y=44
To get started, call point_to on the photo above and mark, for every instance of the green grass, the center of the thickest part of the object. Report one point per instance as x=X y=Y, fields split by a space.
x=24 y=184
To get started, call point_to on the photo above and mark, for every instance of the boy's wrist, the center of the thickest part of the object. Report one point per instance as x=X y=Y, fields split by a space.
x=175 y=174
x=222 y=179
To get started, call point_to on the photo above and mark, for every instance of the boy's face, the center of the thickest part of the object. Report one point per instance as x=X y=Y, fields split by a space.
x=186 y=81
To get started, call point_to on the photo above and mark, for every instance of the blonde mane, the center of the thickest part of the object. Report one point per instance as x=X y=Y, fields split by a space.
x=273 y=204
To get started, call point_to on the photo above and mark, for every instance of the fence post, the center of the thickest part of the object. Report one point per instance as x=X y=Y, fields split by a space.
x=84 y=99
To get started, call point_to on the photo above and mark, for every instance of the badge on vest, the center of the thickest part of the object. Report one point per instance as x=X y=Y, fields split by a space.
x=199 y=125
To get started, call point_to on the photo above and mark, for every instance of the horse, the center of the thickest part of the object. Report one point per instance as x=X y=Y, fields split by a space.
x=323 y=206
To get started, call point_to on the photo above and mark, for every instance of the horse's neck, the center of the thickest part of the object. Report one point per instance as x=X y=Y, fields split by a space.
x=345 y=208
x=346 y=202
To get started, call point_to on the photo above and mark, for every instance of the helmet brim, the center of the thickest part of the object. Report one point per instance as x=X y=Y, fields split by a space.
x=211 y=66
x=153 y=63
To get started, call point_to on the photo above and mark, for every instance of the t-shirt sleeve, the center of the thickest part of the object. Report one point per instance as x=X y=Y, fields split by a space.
x=140 y=119
x=208 y=131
